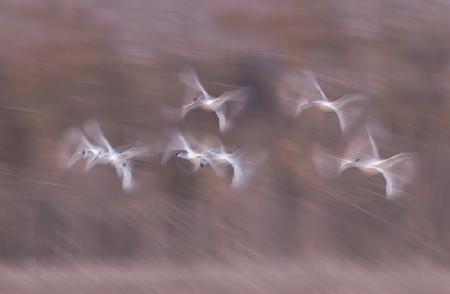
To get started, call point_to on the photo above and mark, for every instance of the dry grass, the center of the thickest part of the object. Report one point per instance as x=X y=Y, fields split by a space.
x=63 y=62
x=305 y=277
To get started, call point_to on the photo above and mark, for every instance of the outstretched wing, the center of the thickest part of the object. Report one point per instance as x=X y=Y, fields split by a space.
x=220 y=147
x=73 y=137
x=177 y=144
x=238 y=173
x=375 y=152
x=349 y=108
x=235 y=100
x=219 y=160
x=245 y=167
x=191 y=79
x=223 y=123
x=93 y=127
x=241 y=167
x=185 y=109
x=135 y=152
x=303 y=105
x=298 y=89
x=73 y=159
x=360 y=149
x=312 y=78
x=212 y=156
x=397 y=171
x=240 y=94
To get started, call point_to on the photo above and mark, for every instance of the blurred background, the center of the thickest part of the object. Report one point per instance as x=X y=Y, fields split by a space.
x=290 y=231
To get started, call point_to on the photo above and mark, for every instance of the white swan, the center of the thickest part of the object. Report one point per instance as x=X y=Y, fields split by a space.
x=209 y=103
x=181 y=148
x=316 y=98
x=120 y=160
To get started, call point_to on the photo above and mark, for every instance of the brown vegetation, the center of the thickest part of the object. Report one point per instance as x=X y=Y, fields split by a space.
x=63 y=62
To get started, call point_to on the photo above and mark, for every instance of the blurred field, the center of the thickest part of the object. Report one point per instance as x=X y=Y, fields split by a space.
x=64 y=62
x=319 y=277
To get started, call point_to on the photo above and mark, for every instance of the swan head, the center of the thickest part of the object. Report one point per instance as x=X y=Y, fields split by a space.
x=350 y=163
x=84 y=153
x=182 y=155
x=198 y=98
x=203 y=162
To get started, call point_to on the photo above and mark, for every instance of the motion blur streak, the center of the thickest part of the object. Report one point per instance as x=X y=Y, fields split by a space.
x=289 y=230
